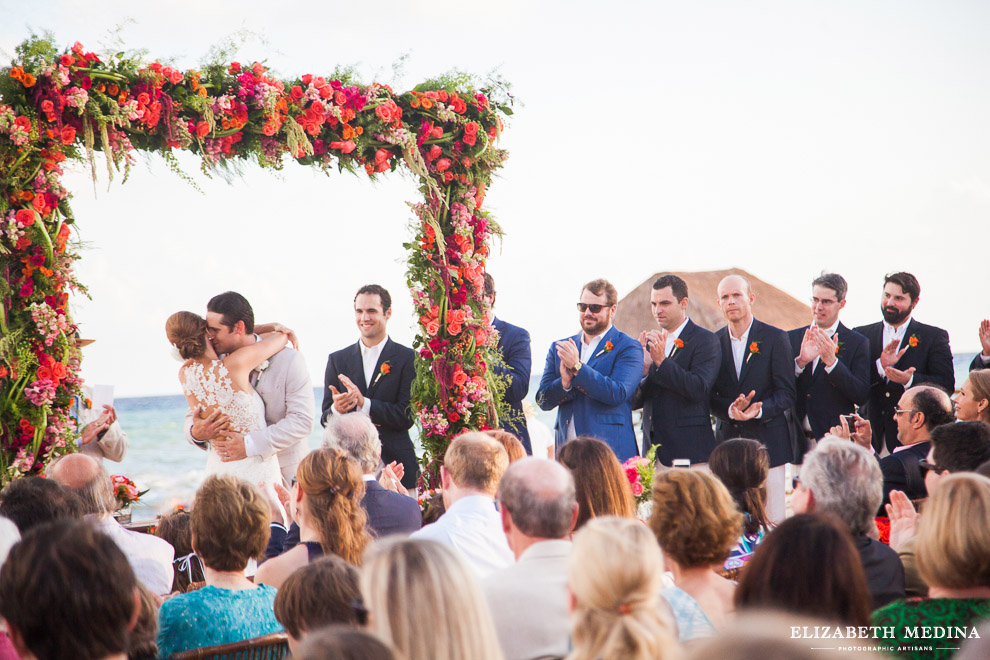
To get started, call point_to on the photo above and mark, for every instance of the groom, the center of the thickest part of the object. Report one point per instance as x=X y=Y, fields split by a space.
x=284 y=386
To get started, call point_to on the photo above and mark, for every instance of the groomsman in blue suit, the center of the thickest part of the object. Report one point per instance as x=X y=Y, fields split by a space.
x=513 y=343
x=682 y=361
x=591 y=377
x=833 y=362
x=904 y=353
x=755 y=384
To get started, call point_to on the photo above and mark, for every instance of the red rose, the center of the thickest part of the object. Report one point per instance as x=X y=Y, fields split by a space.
x=471 y=128
x=25 y=217
x=307 y=78
x=60 y=371
x=202 y=129
x=296 y=92
x=68 y=134
x=27 y=289
x=44 y=373
x=454 y=417
x=443 y=164
x=460 y=377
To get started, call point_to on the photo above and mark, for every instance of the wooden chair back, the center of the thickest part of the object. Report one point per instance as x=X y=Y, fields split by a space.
x=268 y=647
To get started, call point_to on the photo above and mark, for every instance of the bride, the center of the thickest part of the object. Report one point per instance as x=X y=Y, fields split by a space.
x=215 y=384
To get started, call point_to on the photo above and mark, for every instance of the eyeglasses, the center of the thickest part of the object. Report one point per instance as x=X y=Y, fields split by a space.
x=898 y=411
x=929 y=467
x=826 y=303
x=595 y=309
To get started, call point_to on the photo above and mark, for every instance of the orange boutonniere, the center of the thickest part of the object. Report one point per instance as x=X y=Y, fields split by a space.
x=88 y=403
x=384 y=370
x=608 y=349
x=678 y=343
x=754 y=348
x=913 y=341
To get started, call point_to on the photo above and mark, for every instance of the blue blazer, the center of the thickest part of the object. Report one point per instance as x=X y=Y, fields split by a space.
x=674 y=398
x=770 y=372
x=824 y=396
x=390 y=512
x=513 y=342
x=932 y=360
x=600 y=395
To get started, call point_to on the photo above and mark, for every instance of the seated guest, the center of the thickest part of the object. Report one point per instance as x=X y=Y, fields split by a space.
x=919 y=410
x=424 y=600
x=472 y=467
x=31 y=501
x=67 y=591
x=972 y=401
x=742 y=464
x=389 y=512
x=328 y=494
x=142 y=644
x=510 y=444
x=342 y=643
x=602 y=486
x=843 y=478
x=529 y=598
x=229 y=527
x=808 y=566
x=150 y=557
x=317 y=595
x=176 y=528
x=616 y=571
x=953 y=554
x=697 y=525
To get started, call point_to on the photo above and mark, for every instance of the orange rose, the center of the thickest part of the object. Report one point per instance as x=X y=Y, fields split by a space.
x=44 y=373
x=432 y=328
x=25 y=217
x=678 y=343
x=460 y=378
x=386 y=368
x=454 y=328
x=754 y=347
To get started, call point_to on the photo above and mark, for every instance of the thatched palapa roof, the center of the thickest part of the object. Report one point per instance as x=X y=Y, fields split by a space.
x=772 y=305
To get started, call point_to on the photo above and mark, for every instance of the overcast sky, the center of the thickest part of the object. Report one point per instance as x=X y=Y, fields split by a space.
x=781 y=137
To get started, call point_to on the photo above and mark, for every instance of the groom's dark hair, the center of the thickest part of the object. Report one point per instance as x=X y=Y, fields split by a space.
x=376 y=290
x=233 y=307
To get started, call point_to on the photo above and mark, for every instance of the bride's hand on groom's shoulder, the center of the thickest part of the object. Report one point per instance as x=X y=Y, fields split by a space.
x=278 y=327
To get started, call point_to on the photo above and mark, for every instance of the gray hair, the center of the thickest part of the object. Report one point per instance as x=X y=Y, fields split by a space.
x=356 y=434
x=845 y=479
x=540 y=496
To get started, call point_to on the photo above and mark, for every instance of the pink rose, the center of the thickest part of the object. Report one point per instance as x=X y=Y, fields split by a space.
x=637 y=489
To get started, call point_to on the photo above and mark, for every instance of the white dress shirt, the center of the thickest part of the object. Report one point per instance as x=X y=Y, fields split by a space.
x=829 y=332
x=473 y=528
x=890 y=333
x=149 y=556
x=369 y=358
x=740 y=348
x=588 y=351
x=672 y=337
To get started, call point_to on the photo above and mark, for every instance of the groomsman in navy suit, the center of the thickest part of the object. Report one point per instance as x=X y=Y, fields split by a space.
x=513 y=342
x=591 y=377
x=682 y=361
x=982 y=359
x=904 y=353
x=755 y=384
x=833 y=362
x=375 y=376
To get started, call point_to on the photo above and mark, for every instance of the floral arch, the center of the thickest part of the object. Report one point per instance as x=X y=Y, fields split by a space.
x=57 y=106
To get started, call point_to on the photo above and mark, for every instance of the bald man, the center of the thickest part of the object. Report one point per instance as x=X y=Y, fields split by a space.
x=755 y=384
x=149 y=556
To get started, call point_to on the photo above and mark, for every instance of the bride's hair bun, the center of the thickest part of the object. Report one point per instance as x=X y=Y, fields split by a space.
x=187 y=332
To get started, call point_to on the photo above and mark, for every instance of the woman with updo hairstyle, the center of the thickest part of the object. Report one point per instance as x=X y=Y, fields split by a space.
x=602 y=486
x=230 y=520
x=211 y=384
x=328 y=493
x=972 y=401
x=614 y=574
x=697 y=524
x=742 y=464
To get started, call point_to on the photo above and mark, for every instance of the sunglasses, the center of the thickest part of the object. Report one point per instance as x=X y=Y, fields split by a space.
x=595 y=309
x=930 y=467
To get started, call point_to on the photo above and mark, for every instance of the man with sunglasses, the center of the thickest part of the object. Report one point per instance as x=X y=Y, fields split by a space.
x=832 y=362
x=592 y=376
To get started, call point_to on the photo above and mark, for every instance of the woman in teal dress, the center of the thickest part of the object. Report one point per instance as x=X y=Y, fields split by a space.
x=953 y=556
x=230 y=520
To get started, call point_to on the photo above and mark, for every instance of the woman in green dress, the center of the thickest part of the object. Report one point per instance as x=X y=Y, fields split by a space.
x=953 y=556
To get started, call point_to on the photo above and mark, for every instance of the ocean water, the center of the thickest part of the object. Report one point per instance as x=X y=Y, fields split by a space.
x=161 y=460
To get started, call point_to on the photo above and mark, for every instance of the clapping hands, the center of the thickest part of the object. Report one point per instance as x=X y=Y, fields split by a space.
x=351 y=399
x=741 y=409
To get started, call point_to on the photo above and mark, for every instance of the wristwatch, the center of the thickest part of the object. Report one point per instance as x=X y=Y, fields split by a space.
x=577 y=367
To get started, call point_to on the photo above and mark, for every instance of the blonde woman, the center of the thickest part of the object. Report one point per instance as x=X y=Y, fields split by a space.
x=615 y=573
x=327 y=495
x=423 y=600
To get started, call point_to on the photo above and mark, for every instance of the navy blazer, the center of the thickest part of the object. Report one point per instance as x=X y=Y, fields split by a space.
x=389 y=394
x=600 y=395
x=823 y=396
x=977 y=363
x=932 y=360
x=513 y=342
x=895 y=474
x=390 y=512
x=769 y=372
x=674 y=398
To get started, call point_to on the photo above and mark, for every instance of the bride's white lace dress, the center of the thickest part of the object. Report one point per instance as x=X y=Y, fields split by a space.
x=246 y=411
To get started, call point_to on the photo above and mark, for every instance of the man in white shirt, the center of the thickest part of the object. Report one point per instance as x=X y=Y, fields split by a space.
x=529 y=599
x=149 y=556
x=374 y=376
x=472 y=467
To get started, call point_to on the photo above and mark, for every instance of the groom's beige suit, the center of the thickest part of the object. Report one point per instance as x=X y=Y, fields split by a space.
x=287 y=391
